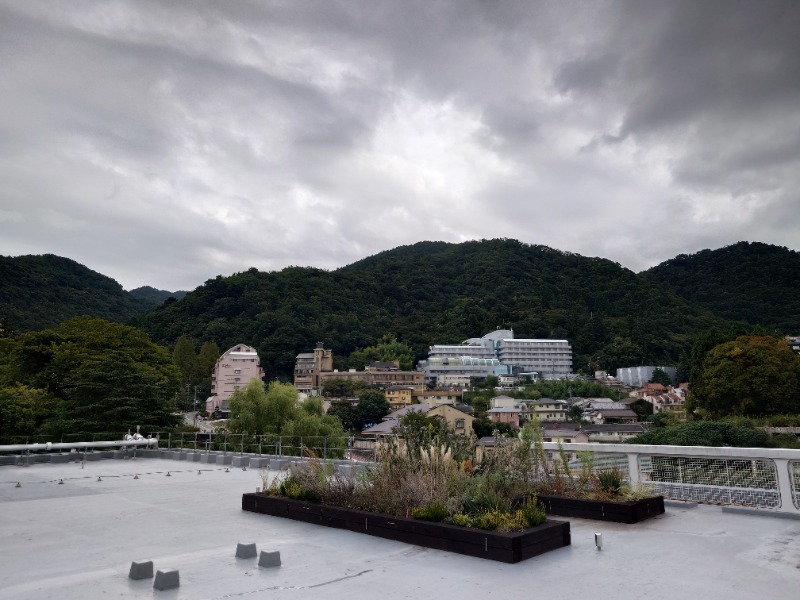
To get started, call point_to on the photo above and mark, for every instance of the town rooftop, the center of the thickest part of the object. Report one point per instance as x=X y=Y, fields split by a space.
x=76 y=540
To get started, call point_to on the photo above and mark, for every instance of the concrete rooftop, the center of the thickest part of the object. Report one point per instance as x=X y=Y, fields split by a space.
x=77 y=541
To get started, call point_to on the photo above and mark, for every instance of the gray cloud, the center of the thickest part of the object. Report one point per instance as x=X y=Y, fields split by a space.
x=166 y=143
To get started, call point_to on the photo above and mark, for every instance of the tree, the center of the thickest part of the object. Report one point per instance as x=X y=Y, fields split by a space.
x=575 y=413
x=103 y=377
x=371 y=408
x=23 y=410
x=483 y=427
x=206 y=359
x=749 y=376
x=704 y=433
x=257 y=410
x=660 y=376
x=342 y=388
x=386 y=350
x=186 y=361
x=346 y=413
x=313 y=406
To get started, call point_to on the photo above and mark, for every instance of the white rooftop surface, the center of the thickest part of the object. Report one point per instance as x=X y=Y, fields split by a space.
x=77 y=540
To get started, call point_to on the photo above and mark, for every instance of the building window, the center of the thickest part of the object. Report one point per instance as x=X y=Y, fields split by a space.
x=459 y=423
x=237 y=371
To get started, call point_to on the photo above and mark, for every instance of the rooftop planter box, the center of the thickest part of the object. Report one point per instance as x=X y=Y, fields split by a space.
x=600 y=510
x=504 y=547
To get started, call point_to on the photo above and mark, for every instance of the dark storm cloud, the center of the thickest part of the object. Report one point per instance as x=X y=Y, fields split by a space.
x=163 y=143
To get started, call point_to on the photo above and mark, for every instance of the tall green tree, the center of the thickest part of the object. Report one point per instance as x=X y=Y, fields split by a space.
x=23 y=410
x=749 y=376
x=371 y=408
x=186 y=361
x=386 y=350
x=259 y=410
x=103 y=377
x=660 y=376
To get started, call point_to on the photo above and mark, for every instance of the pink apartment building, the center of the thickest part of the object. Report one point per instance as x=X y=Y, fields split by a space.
x=237 y=367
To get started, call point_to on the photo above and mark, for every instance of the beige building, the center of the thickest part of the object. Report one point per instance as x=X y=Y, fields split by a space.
x=379 y=377
x=398 y=396
x=309 y=366
x=432 y=398
x=237 y=367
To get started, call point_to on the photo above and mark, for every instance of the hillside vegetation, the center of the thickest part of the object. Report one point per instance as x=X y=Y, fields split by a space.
x=38 y=292
x=755 y=283
x=435 y=292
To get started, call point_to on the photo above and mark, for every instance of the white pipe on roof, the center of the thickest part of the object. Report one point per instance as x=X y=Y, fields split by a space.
x=50 y=446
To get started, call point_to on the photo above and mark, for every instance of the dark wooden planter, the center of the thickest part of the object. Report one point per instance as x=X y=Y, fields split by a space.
x=503 y=547
x=619 y=512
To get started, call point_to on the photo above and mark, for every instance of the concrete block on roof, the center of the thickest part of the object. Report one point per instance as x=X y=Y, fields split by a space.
x=246 y=551
x=141 y=570
x=208 y=458
x=92 y=456
x=194 y=456
x=269 y=559
x=59 y=458
x=259 y=463
x=240 y=461
x=166 y=580
x=224 y=459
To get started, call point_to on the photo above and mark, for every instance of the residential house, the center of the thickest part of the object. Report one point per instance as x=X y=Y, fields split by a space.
x=398 y=396
x=512 y=415
x=548 y=409
x=614 y=415
x=457 y=421
x=613 y=433
x=433 y=398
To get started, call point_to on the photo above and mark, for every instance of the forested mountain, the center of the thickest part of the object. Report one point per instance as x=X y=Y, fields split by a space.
x=37 y=292
x=755 y=283
x=435 y=292
x=155 y=297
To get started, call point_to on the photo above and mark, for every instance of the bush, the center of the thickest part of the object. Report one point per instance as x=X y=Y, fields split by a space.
x=610 y=481
x=434 y=511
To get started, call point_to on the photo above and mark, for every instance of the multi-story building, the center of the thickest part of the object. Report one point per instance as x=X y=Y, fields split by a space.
x=237 y=367
x=398 y=396
x=308 y=367
x=378 y=375
x=638 y=376
x=498 y=353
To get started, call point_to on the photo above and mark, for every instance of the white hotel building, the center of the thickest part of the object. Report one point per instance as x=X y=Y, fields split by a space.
x=498 y=353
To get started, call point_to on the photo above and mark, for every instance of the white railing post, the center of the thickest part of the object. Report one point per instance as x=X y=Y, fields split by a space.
x=634 y=476
x=785 y=485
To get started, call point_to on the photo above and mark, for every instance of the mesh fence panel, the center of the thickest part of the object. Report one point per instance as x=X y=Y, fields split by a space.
x=743 y=482
x=794 y=473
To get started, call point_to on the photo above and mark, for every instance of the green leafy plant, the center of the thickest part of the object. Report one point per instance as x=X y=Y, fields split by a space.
x=434 y=511
x=611 y=480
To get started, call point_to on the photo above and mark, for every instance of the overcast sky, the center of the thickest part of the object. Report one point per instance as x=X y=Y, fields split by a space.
x=163 y=143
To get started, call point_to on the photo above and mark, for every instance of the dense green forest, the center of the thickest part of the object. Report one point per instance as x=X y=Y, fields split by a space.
x=755 y=283
x=86 y=375
x=37 y=292
x=435 y=292
x=155 y=297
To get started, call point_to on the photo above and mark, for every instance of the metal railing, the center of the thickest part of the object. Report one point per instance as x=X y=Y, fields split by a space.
x=762 y=478
x=349 y=448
